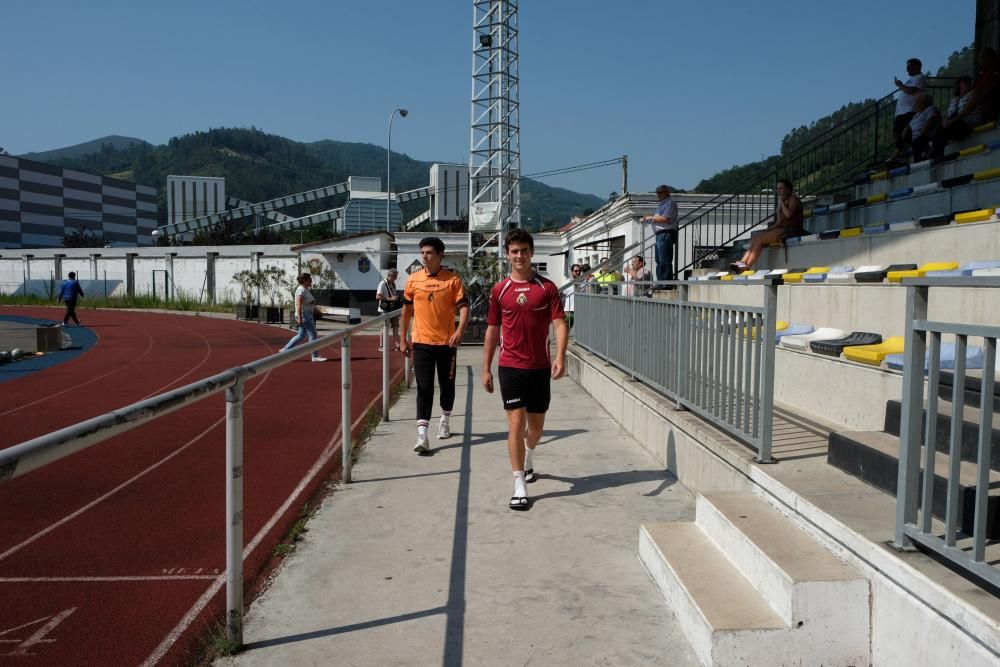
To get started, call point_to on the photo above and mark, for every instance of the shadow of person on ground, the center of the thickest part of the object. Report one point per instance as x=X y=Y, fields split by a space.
x=609 y=480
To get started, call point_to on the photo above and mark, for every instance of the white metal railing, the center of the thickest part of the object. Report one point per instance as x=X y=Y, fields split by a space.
x=32 y=454
x=714 y=359
x=923 y=341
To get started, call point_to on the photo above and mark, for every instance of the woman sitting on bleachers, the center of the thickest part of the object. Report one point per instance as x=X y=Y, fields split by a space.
x=977 y=105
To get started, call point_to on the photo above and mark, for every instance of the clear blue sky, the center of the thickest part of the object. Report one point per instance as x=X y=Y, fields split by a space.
x=684 y=89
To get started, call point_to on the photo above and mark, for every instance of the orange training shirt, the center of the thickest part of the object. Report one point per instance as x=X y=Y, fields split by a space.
x=435 y=301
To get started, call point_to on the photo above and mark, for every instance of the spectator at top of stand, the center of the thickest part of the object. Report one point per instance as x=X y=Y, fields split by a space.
x=978 y=105
x=924 y=124
x=906 y=101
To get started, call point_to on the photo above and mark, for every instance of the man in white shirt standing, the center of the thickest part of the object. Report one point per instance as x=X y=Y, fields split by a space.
x=906 y=101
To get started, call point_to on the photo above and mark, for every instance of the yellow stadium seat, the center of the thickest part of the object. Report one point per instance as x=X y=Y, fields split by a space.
x=780 y=325
x=879 y=176
x=797 y=277
x=874 y=199
x=874 y=354
x=849 y=232
x=974 y=216
x=984 y=127
x=728 y=276
x=972 y=150
x=896 y=276
x=986 y=174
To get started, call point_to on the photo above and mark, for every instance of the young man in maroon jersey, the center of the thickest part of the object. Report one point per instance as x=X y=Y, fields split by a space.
x=521 y=308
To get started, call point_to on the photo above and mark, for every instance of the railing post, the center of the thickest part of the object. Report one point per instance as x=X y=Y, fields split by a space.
x=914 y=347
x=234 y=514
x=682 y=346
x=345 y=408
x=766 y=415
x=385 y=370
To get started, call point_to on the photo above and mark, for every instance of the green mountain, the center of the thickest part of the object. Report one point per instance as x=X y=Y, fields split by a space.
x=259 y=166
x=115 y=141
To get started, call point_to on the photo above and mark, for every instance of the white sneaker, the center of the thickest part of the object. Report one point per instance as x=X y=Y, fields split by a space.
x=421 y=445
x=319 y=358
x=444 y=430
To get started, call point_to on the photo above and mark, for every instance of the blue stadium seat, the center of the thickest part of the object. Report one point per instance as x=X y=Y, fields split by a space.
x=793 y=329
x=973 y=358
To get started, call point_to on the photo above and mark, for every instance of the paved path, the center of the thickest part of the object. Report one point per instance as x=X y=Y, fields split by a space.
x=419 y=561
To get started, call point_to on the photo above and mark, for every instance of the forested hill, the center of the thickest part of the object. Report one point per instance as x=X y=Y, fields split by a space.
x=259 y=166
x=728 y=180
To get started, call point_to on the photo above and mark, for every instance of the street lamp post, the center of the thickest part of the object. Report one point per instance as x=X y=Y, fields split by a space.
x=388 y=156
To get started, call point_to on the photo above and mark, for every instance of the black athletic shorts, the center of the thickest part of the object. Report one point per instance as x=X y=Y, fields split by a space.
x=524 y=388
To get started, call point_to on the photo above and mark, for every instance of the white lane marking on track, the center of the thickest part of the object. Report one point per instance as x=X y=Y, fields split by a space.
x=38 y=637
x=76 y=387
x=96 y=501
x=154 y=577
x=207 y=596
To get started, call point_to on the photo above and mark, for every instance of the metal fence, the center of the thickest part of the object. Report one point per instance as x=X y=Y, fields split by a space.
x=915 y=494
x=22 y=458
x=716 y=360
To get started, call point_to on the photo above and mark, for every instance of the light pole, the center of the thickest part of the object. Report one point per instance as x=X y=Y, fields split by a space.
x=388 y=155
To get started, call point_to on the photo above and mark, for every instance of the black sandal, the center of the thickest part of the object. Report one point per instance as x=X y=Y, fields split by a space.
x=519 y=503
x=530 y=476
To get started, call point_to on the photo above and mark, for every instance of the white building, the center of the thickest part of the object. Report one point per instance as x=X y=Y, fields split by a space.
x=194 y=196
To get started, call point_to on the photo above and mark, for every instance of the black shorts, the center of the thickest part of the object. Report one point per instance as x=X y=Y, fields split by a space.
x=525 y=388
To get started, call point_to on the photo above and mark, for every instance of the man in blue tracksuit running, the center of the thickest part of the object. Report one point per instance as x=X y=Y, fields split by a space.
x=69 y=292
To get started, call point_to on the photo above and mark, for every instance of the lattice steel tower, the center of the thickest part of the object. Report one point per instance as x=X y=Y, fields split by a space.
x=495 y=144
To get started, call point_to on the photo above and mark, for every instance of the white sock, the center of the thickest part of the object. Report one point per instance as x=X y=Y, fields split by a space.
x=422 y=428
x=445 y=417
x=528 y=457
x=520 y=487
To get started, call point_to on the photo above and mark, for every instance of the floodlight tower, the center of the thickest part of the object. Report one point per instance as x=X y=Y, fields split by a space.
x=495 y=144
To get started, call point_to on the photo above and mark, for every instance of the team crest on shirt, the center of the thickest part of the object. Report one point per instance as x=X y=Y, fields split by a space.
x=430 y=297
x=521 y=299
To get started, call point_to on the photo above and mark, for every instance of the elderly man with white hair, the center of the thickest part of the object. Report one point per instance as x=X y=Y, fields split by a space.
x=389 y=300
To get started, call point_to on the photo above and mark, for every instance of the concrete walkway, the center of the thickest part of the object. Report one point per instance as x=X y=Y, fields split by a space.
x=420 y=562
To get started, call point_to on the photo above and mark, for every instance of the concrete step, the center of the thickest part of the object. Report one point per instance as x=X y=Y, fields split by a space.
x=873 y=456
x=799 y=579
x=942 y=442
x=719 y=611
x=726 y=619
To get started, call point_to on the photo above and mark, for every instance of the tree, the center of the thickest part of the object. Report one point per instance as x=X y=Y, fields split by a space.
x=84 y=238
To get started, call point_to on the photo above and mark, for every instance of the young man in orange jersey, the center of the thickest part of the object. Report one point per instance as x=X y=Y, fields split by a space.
x=430 y=299
x=521 y=309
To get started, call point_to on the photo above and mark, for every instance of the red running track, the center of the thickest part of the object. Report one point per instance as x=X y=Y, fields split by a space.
x=116 y=554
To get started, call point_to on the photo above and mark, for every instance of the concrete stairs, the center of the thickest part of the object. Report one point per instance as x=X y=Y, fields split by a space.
x=748 y=587
x=873 y=456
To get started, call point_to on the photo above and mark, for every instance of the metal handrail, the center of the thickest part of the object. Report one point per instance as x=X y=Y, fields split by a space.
x=909 y=499
x=840 y=144
x=24 y=457
x=765 y=178
x=715 y=360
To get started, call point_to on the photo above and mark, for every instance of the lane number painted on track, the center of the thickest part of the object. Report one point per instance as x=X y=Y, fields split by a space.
x=45 y=625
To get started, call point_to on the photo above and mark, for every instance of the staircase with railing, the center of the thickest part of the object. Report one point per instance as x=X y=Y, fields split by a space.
x=822 y=166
